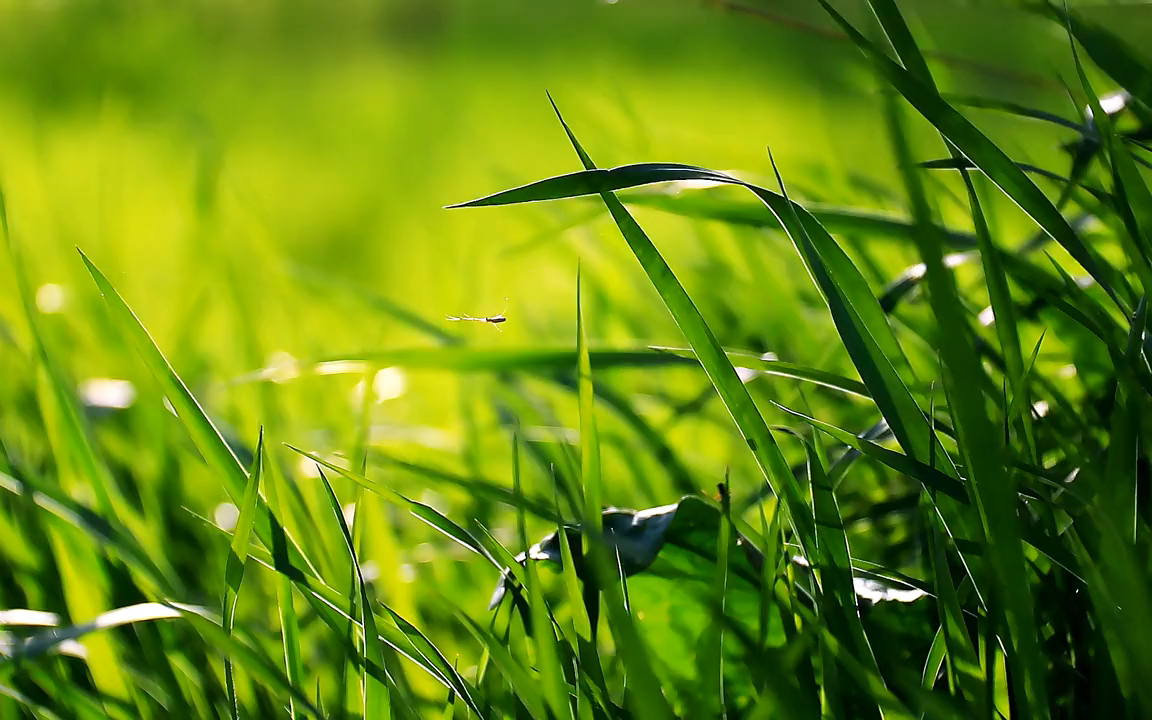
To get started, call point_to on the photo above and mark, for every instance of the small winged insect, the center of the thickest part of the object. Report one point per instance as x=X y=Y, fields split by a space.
x=490 y=319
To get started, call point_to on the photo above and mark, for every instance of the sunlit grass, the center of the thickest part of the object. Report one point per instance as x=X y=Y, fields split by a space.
x=881 y=407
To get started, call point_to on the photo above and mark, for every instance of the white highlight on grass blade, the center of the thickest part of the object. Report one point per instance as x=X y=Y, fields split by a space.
x=59 y=638
x=341 y=367
x=226 y=516
x=1068 y=371
x=987 y=316
x=1111 y=103
x=307 y=468
x=25 y=617
x=389 y=383
x=550 y=433
x=407 y=573
x=1040 y=408
x=107 y=393
x=747 y=375
x=370 y=571
x=349 y=512
x=430 y=437
x=280 y=367
x=877 y=591
x=51 y=298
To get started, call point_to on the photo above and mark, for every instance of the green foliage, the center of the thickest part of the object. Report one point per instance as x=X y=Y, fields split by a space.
x=924 y=408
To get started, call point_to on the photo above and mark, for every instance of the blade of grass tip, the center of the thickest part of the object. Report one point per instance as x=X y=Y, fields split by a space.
x=208 y=440
x=984 y=154
x=376 y=696
x=234 y=568
x=981 y=443
x=710 y=355
x=543 y=636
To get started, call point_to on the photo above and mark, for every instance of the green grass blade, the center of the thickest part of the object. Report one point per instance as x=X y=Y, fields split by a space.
x=711 y=356
x=833 y=566
x=234 y=568
x=644 y=694
x=1111 y=53
x=555 y=687
x=377 y=697
x=703 y=205
x=984 y=153
x=207 y=438
x=424 y=512
x=932 y=479
x=589 y=441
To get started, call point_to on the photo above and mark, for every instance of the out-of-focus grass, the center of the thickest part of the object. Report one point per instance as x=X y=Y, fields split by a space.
x=263 y=186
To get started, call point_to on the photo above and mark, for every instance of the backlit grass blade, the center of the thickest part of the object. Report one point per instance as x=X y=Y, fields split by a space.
x=424 y=512
x=1111 y=53
x=244 y=655
x=708 y=351
x=933 y=480
x=79 y=458
x=644 y=694
x=234 y=568
x=1133 y=202
x=524 y=683
x=703 y=205
x=467 y=359
x=794 y=371
x=710 y=668
x=589 y=442
x=963 y=662
x=377 y=696
x=833 y=566
x=207 y=438
x=980 y=443
x=555 y=687
x=285 y=601
x=86 y=521
x=984 y=153
x=335 y=610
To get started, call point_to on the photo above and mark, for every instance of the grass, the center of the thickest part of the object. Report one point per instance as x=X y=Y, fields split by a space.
x=922 y=409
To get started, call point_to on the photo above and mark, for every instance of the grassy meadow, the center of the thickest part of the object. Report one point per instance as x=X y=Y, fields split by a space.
x=803 y=353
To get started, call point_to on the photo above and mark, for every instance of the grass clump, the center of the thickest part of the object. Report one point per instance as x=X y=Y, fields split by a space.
x=933 y=504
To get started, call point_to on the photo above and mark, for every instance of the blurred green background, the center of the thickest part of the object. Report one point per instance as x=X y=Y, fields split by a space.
x=263 y=181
